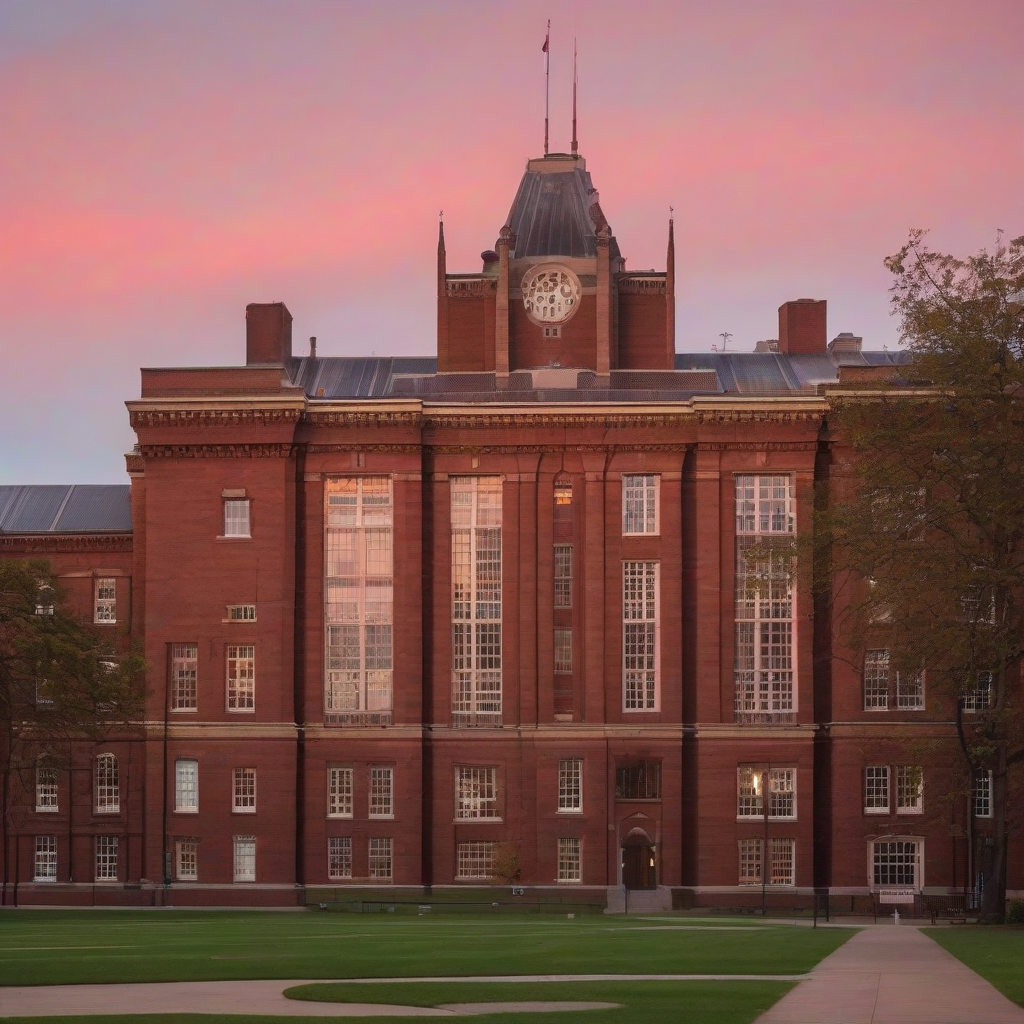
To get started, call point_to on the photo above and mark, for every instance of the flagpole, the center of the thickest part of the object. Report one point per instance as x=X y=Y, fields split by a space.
x=575 y=143
x=547 y=84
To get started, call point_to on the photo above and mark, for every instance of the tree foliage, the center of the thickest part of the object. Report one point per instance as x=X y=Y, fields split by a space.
x=924 y=522
x=61 y=681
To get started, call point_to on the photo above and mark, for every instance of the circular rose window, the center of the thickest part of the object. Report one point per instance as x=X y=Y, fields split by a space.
x=550 y=294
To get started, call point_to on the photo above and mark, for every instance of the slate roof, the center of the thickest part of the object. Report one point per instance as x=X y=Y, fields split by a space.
x=65 y=508
x=551 y=214
x=696 y=373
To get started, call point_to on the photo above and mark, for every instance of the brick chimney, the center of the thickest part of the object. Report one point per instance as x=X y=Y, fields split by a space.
x=802 y=328
x=268 y=333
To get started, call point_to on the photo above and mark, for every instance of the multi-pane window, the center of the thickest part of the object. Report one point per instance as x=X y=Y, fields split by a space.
x=382 y=798
x=750 y=861
x=474 y=860
x=876 y=789
x=563 y=575
x=241 y=612
x=640 y=780
x=46 y=788
x=910 y=691
x=896 y=863
x=909 y=789
x=783 y=863
x=980 y=697
x=241 y=678
x=186 y=785
x=640 y=504
x=380 y=858
x=106 y=858
x=360 y=598
x=570 y=784
x=184 y=676
x=45 y=866
x=243 y=791
x=570 y=861
x=339 y=792
x=563 y=651
x=750 y=785
x=476 y=793
x=339 y=857
x=44 y=599
x=876 y=681
x=640 y=636
x=244 y=859
x=236 y=517
x=982 y=794
x=105 y=607
x=764 y=667
x=186 y=859
x=476 y=600
x=108 y=787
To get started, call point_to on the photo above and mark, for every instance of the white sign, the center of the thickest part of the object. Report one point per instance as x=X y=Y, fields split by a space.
x=895 y=895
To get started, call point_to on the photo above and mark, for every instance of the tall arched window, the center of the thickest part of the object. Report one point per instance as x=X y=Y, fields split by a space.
x=108 y=787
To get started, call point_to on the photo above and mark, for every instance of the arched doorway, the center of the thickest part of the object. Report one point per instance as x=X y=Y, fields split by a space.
x=638 y=861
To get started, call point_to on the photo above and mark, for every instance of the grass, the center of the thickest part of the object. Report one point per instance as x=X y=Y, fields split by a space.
x=68 y=947
x=996 y=953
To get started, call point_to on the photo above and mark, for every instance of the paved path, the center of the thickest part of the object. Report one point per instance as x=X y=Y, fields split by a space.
x=265 y=997
x=893 y=975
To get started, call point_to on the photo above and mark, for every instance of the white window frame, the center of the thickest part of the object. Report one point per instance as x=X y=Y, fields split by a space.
x=476 y=793
x=237 y=518
x=477 y=571
x=766 y=677
x=47 y=789
x=563 y=573
x=380 y=860
x=340 y=785
x=570 y=861
x=106 y=849
x=910 y=687
x=917 y=862
x=474 y=860
x=875 y=680
x=782 y=792
x=186 y=860
x=563 y=651
x=981 y=794
x=877 y=778
x=44 y=863
x=184 y=678
x=339 y=858
x=243 y=859
x=641 y=636
x=382 y=791
x=750 y=853
x=240 y=678
x=641 y=505
x=783 y=856
x=186 y=785
x=107 y=785
x=243 y=790
x=359 y=602
x=980 y=698
x=909 y=798
x=240 y=613
x=570 y=785
x=105 y=600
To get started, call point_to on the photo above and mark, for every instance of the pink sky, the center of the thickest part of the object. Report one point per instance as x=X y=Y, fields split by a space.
x=163 y=163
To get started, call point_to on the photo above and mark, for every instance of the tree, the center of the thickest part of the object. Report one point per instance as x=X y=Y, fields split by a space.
x=61 y=682
x=920 y=539
x=505 y=863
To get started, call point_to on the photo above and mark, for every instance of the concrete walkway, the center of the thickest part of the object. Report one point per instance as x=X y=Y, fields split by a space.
x=893 y=975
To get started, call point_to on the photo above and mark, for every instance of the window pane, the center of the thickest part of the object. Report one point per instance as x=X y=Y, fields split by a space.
x=243 y=798
x=45 y=866
x=570 y=861
x=339 y=798
x=184 y=677
x=570 y=785
x=245 y=859
x=186 y=785
x=876 y=789
x=473 y=860
x=476 y=793
x=339 y=857
x=236 y=518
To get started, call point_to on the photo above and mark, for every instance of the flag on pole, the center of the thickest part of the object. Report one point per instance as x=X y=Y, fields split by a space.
x=547 y=40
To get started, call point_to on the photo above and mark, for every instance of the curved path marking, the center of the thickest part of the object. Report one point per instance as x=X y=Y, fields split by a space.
x=267 y=998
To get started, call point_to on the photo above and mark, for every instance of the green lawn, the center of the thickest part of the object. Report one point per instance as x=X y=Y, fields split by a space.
x=65 y=947
x=996 y=953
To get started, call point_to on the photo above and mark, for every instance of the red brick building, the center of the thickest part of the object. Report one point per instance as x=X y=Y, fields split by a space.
x=401 y=614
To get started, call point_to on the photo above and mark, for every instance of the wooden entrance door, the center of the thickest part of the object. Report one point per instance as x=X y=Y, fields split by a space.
x=638 y=871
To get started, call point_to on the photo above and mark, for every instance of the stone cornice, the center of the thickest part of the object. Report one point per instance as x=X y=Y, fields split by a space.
x=64 y=542
x=217 y=451
x=141 y=416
